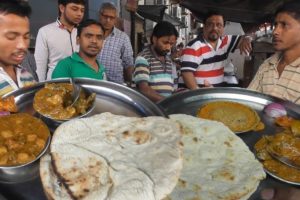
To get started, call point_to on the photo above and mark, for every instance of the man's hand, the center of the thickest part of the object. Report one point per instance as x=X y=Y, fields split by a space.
x=245 y=45
x=207 y=84
x=281 y=194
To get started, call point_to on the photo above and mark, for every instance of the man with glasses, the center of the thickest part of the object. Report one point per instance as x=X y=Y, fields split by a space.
x=57 y=40
x=204 y=58
x=117 y=54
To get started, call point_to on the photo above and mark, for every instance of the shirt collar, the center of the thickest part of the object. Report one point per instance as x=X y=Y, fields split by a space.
x=276 y=58
x=75 y=56
x=60 y=25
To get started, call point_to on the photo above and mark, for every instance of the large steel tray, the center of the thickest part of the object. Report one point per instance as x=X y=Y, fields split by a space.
x=190 y=101
x=110 y=97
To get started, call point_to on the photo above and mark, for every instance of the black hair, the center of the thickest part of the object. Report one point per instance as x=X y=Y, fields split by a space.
x=86 y=23
x=164 y=28
x=17 y=7
x=211 y=13
x=292 y=8
x=65 y=2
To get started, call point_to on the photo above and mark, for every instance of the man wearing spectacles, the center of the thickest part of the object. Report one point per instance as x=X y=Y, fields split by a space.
x=117 y=53
x=204 y=58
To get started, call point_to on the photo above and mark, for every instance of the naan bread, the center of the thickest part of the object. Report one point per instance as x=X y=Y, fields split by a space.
x=217 y=164
x=53 y=188
x=140 y=158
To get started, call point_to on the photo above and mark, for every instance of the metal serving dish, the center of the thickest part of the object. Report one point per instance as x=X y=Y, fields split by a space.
x=110 y=97
x=25 y=172
x=190 y=101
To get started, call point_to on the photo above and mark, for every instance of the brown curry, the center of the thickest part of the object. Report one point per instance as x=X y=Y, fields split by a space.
x=55 y=99
x=285 y=144
x=22 y=138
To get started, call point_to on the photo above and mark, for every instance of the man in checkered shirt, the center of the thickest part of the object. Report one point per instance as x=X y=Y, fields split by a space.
x=117 y=53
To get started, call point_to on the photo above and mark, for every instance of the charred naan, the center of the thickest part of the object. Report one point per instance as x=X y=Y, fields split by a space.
x=114 y=157
x=238 y=117
x=217 y=164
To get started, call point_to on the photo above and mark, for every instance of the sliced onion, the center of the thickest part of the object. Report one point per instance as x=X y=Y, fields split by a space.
x=275 y=110
x=4 y=113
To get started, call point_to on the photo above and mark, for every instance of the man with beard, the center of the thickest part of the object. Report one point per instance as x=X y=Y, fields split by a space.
x=153 y=66
x=84 y=64
x=117 y=53
x=204 y=58
x=14 y=41
x=279 y=75
x=57 y=40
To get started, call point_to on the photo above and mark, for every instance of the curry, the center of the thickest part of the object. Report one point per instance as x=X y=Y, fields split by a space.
x=285 y=144
x=8 y=104
x=238 y=117
x=55 y=99
x=22 y=138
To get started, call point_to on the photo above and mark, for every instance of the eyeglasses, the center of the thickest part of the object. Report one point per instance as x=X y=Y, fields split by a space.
x=212 y=25
x=108 y=17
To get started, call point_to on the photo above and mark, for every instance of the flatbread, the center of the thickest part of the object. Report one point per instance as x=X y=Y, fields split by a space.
x=53 y=188
x=217 y=164
x=141 y=158
x=238 y=117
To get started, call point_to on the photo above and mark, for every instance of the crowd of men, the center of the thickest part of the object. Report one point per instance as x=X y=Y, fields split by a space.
x=73 y=47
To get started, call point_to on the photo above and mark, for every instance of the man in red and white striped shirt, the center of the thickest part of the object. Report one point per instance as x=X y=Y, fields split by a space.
x=203 y=60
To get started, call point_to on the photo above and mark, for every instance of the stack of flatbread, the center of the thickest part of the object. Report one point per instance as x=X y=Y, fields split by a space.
x=113 y=157
x=217 y=164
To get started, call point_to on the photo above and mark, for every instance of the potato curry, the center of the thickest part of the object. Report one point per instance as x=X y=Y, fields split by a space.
x=22 y=138
x=55 y=99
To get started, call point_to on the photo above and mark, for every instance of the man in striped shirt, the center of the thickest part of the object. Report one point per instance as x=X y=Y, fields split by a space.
x=279 y=75
x=204 y=58
x=14 y=41
x=153 y=66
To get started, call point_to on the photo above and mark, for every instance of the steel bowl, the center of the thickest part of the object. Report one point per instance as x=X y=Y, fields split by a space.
x=24 y=172
x=56 y=122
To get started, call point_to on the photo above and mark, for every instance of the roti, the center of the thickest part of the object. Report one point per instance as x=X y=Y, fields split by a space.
x=238 y=117
x=114 y=157
x=217 y=164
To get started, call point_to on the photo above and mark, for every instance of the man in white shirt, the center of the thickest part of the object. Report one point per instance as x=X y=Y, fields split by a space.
x=57 y=40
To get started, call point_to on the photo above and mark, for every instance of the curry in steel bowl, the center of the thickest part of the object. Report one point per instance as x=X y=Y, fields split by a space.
x=55 y=99
x=22 y=138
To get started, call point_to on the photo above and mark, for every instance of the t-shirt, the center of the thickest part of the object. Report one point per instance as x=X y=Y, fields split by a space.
x=150 y=69
x=24 y=79
x=206 y=62
x=75 y=67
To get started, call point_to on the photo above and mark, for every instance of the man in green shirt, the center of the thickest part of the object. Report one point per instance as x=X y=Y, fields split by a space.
x=84 y=64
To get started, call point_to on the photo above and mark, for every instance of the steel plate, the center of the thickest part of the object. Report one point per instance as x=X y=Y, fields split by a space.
x=110 y=97
x=190 y=101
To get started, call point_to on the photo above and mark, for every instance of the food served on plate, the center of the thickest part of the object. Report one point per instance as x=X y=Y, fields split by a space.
x=113 y=157
x=284 y=144
x=55 y=99
x=8 y=104
x=238 y=117
x=22 y=138
x=217 y=164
